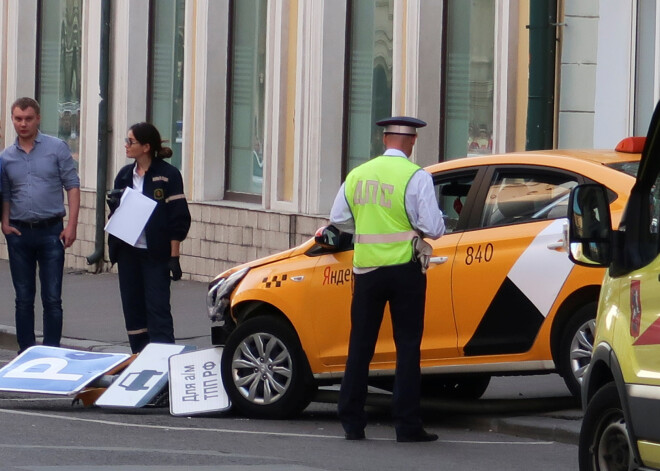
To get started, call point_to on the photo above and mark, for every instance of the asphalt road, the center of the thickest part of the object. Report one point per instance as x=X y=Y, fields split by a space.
x=50 y=433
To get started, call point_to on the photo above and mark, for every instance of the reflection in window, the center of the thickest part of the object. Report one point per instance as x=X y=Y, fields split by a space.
x=165 y=105
x=370 y=77
x=59 y=70
x=469 y=77
x=515 y=197
x=247 y=82
x=655 y=207
x=452 y=195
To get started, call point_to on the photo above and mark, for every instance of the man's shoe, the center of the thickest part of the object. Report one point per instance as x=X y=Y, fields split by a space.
x=354 y=435
x=420 y=436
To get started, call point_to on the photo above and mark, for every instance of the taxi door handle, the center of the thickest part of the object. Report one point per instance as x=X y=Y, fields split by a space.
x=438 y=260
x=559 y=245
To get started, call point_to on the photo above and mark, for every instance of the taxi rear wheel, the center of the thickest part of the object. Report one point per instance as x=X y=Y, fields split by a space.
x=576 y=347
x=604 y=439
x=265 y=371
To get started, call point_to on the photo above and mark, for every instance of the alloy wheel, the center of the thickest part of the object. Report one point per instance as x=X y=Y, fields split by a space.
x=262 y=368
x=582 y=346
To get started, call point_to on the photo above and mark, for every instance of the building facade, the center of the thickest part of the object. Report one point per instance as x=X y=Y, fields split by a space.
x=267 y=104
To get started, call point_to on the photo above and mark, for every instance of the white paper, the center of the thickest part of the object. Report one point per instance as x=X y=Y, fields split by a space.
x=129 y=219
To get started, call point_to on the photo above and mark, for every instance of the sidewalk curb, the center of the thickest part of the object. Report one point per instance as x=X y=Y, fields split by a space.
x=8 y=337
x=539 y=428
x=8 y=341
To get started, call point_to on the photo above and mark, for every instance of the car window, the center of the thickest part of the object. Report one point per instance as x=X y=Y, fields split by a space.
x=655 y=207
x=520 y=196
x=452 y=192
x=631 y=168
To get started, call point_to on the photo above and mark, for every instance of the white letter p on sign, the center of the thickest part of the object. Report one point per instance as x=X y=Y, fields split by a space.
x=50 y=369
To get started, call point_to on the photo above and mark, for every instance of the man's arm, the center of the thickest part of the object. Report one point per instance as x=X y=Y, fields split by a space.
x=426 y=216
x=340 y=214
x=68 y=235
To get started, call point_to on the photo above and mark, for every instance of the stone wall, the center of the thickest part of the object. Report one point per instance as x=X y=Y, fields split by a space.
x=220 y=237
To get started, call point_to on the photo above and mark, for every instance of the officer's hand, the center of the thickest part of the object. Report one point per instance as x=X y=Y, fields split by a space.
x=175 y=268
x=113 y=199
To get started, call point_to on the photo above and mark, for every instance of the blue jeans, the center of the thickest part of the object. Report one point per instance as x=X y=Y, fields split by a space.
x=37 y=246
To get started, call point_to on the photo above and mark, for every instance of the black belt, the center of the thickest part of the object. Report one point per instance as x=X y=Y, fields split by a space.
x=35 y=224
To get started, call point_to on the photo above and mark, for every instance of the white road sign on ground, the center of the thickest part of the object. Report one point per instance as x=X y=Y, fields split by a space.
x=143 y=379
x=195 y=383
x=52 y=370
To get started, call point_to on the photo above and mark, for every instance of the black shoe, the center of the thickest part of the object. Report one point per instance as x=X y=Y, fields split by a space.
x=420 y=436
x=359 y=435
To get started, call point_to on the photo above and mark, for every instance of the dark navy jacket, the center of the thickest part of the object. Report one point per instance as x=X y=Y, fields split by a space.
x=171 y=218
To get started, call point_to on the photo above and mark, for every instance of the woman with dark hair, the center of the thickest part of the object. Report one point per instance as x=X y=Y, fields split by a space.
x=146 y=268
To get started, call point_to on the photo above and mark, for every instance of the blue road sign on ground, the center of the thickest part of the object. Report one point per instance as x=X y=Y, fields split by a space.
x=52 y=370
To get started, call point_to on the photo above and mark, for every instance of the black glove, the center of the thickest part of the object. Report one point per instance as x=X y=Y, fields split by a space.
x=175 y=268
x=113 y=198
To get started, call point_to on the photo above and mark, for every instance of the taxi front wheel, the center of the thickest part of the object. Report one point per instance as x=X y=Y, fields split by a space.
x=265 y=371
x=604 y=439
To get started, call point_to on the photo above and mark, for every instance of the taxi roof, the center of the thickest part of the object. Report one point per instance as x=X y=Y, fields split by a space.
x=553 y=157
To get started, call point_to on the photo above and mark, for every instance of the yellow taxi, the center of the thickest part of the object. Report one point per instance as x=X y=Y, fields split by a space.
x=621 y=388
x=502 y=296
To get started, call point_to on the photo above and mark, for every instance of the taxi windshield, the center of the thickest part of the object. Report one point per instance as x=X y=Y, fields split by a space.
x=630 y=168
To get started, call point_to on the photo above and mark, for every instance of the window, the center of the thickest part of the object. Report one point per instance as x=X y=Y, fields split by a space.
x=165 y=103
x=369 y=86
x=58 y=85
x=452 y=193
x=469 y=72
x=519 y=196
x=646 y=78
x=246 y=100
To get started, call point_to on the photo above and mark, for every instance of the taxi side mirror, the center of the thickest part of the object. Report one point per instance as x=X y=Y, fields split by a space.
x=328 y=237
x=589 y=226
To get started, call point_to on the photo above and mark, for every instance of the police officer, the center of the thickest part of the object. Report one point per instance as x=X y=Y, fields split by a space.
x=388 y=203
x=145 y=269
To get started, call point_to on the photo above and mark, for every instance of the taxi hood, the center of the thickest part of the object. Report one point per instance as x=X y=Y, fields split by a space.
x=300 y=249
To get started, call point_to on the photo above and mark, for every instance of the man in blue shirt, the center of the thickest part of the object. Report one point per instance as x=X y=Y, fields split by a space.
x=35 y=169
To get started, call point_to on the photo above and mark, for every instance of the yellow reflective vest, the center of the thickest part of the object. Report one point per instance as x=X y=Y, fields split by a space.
x=375 y=192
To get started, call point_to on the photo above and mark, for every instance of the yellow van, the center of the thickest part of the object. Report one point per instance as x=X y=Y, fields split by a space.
x=621 y=388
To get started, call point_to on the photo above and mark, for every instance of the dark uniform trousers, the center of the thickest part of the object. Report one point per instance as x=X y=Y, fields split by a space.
x=144 y=284
x=404 y=287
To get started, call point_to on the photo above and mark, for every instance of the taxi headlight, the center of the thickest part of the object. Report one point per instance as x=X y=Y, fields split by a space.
x=217 y=299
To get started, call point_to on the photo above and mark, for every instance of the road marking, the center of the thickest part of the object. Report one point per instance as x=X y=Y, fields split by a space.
x=252 y=432
x=121 y=449
x=36 y=399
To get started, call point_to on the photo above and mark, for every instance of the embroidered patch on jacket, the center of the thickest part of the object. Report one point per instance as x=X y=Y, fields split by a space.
x=159 y=194
x=160 y=178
